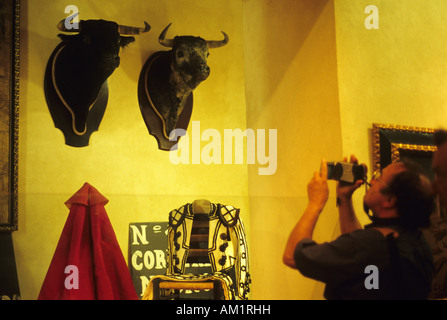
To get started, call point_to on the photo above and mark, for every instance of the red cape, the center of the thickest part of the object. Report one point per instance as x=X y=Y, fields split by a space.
x=89 y=248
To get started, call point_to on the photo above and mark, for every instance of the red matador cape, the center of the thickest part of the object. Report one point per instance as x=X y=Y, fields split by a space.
x=88 y=263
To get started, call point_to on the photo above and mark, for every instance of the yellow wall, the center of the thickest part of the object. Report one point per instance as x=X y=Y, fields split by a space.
x=319 y=76
x=122 y=160
x=291 y=81
x=392 y=75
x=309 y=69
x=395 y=74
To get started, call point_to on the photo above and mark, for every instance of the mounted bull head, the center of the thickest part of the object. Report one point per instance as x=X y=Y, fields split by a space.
x=189 y=58
x=77 y=72
x=169 y=78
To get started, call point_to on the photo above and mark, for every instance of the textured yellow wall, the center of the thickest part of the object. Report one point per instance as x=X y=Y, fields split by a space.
x=291 y=80
x=122 y=160
x=322 y=78
x=394 y=74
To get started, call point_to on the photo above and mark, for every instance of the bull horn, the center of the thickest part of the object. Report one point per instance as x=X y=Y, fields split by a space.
x=165 y=42
x=216 y=44
x=134 y=30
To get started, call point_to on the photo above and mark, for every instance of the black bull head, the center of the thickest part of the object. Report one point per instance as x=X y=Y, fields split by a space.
x=77 y=72
x=169 y=77
x=189 y=58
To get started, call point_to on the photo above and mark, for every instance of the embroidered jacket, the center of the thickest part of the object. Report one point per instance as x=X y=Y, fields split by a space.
x=227 y=246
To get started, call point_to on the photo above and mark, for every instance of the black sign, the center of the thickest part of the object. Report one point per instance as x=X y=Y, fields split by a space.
x=148 y=246
x=147 y=252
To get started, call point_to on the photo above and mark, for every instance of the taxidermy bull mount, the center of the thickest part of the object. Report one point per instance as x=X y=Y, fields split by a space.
x=167 y=81
x=76 y=75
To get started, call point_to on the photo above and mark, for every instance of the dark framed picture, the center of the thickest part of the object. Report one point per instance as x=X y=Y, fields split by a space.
x=392 y=143
x=9 y=108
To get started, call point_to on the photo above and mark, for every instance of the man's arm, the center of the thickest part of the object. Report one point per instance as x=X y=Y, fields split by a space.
x=347 y=216
x=302 y=230
x=318 y=193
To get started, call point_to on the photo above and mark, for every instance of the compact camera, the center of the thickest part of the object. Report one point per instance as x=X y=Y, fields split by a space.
x=345 y=171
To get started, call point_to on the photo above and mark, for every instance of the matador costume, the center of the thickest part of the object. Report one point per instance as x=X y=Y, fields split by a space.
x=227 y=249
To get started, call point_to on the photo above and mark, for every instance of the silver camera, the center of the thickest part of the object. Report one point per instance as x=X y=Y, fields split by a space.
x=345 y=171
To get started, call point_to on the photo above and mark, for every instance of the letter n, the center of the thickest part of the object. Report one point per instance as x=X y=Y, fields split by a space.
x=372 y=281
x=372 y=21
x=72 y=280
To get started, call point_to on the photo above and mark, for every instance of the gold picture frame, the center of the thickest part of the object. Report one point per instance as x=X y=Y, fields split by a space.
x=9 y=112
x=391 y=143
x=398 y=148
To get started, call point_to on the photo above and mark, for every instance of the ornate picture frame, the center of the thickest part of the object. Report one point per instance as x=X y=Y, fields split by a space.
x=9 y=112
x=391 y=143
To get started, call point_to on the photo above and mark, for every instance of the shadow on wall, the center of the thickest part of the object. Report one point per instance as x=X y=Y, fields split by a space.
x=277 y=34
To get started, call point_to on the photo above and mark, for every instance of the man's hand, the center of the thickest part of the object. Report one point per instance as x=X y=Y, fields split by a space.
x=317 y=188
x=318 y=192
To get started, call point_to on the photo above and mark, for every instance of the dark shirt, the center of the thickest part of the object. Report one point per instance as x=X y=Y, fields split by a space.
x=404 y=264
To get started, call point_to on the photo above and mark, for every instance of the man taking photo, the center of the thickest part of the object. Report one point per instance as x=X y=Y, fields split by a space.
x=399 y=202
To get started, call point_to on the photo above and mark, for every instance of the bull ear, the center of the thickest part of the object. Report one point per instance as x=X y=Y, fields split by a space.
x=125 y=41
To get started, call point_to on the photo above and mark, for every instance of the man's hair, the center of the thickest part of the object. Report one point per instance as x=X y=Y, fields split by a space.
x=415 y=198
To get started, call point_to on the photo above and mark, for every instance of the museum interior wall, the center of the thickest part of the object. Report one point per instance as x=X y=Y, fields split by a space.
x=308 y=69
